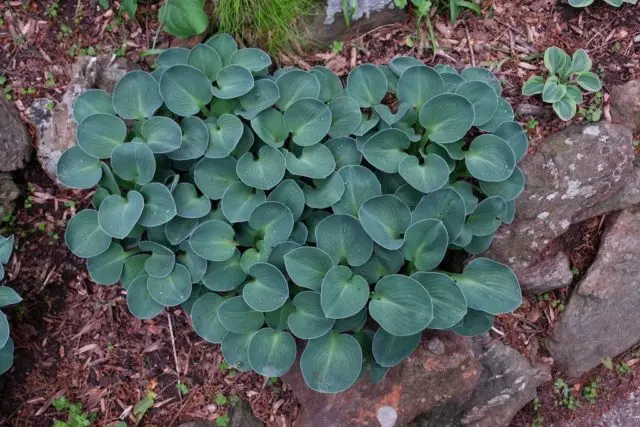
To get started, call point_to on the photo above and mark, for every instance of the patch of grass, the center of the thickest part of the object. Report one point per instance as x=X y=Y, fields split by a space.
x=276 y=25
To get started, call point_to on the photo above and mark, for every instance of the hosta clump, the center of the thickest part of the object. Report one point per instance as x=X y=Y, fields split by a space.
x=566 y=76
x=284 y=206
x=7 y=297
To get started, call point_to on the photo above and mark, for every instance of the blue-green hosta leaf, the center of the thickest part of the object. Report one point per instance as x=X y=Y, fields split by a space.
x=223 y=276
x=565 y=108
x=446 y=205
x=490 y=158
x=234 y=350
x=84 y=237
x=225 y=133
x=213 y=240
x=289 y=193
x=161 y=134
x=343 y=294
x=486 y=218
x=195 y=139
x=300 y=233
x=508 y=189
x=137 y=96
x=278 y=319
x=307 y=266
x=425 y=244
x=162 y=260
x=553 y=91
x=489 y=286
x=206 y=60
x=213 y=176
x=401 y=305
x=513 y=133
x=267 y=289
x=225 y=45
x=251 y=58
x=382 y=263
x=173 y=289
x=385 y=218
x=269 y=126
x=345 y=116
x=367 y=84
x=4 y=330
x=134 y=162
x=90 y=102
x=99 y=134
x=258 y=254
x=264 y=94
x=390 y=182
x=479 y=244
x=183 y=18
x=575 y=94
x=419 y=84
x=427 y=175
x=263 y=170
x=447 y=117
x=332 y=363
x=388 y=116
x=6 y=247
x=221 y=106
x=449 y=304
x=133 y=268
x=445 y=69
x=533 y=86
x=106 y=268
x=555 y=59
x=158 y=72
x=392 y=78
x=308 y=320
x=352 y=323
x=185 y=90
x=580 y=62
x=274 y=221
x=312 y=221
x=233 y=81
x=324 y=192
x=452 y=81
x=139 y=300
x=511 y=212
x=6 y=356
x=504 y=113
x=159 y=206
x=389 y=350
x=483 y=98
x=344 y=239
x=315 y=162
x=483 y=75
x=237 y=317
x=271 y=353
x=330 y=84
x=295 y=85
x=308 y=120
x=76 y=169
x=108 y=181
x=118 y=215
x=196 y=293
x=276 y=256
x=345 y=151
x=205 y=320
x=188 y=203
x=239 y=200
x=8 y=296
x=360 y=185
x=474 y=323
x=196 y=265
x=158 y=235
x=386 y=149
x=400 y=64
x=245 y=143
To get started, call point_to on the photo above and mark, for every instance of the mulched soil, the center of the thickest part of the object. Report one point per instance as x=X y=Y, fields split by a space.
x=77 y=339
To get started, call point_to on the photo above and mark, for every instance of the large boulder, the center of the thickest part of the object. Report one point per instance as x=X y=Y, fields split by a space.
x=602 y=318
x=625 y=104
x=577 y=173
x=449 y=380
x=56 y=129
x=15 y=144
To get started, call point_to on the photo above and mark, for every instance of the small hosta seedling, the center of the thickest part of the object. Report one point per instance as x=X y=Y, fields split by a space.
x=284 y=206
x=7 y=297
x=567 y=75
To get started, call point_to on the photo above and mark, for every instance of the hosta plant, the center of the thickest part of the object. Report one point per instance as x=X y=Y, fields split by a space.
x=7 y=297
x=567 y=75
x=299 y=208
x=585 y=3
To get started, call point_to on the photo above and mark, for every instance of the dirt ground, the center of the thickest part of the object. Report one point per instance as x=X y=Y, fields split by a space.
x=76 y=339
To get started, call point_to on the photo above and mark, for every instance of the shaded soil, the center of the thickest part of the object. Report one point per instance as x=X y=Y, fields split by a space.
x=77 y=339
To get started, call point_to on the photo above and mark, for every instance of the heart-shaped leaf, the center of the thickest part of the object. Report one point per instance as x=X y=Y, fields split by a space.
x=389 y=350
x=223 y=276
x=315 y=162
x=486 y=218
x=419 y=84
x=367 y=85
x=269 y=126
x=214 y=176
x=400 y=64
x=237 y=317
x=360 y=185
x=159 y=206
x=449 y=304
x=264 y=94
x=504 y=113
x=133 y=268
x=447 y=118
x=289 y=193
x=106 y=268
x=274 y=222
x=99 y=134
x=307 y=266
x=344 y=239
x=173 y=56
x=225 y=133
x=189 y=204
x=271 y=352
x=183 y=18
x=205 y=320
x=76 y=169
x=427 y=175
x=251 y=58
x=137 y=96
x=345 y=116
x=162 y=260
x=90 y=102
x=490 y=158
x=483 y=98
x=196 y=265
x=308 y=321
x=267 y=289
x=225 y=45
x=213 y=240
x=345 y=151
x=343 y=293
x=295 y=85
x=195 y=139
x=139 y=300
x=84 y=237
x=513 y=133
x=205 y=59
x=239 y=200
x=308 y=120
x=134 y=162
x=474 y=323
x=385 y=218
x=118 y=215
x=589 y=81
x=330 y=86
x=382 y=263
x=508 y=189
x=185 y=90
x=425 y=244
x=324 y=192
x=234 y=350
x=482 y=75
x=161 y=134
x=446 y=205
x=233 y=81
x=555 y=59
x=263 y=170
x=386 y=149
x=173 y=289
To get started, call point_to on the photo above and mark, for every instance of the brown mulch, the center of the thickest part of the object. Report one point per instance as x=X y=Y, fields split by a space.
x=77 y=339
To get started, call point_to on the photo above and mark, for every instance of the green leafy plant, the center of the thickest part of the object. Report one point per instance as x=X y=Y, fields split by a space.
x=585 y=3
x=593 y=112
x=566 y=398
x=562 y=86
x=183 y=18
x=293 y=201
x=76 y=417
x=7 y=297
x=590 y=392
x=337 y=47
x=129 y=7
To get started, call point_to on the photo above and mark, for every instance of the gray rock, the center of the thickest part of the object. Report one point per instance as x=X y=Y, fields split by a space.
x=15 y=144
x=362 y=9
x=507 y=383
x=625 y=104
x=624 y=413
x=577 y=172
x=56 y=129
x=602 y=317
x=9 y=193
